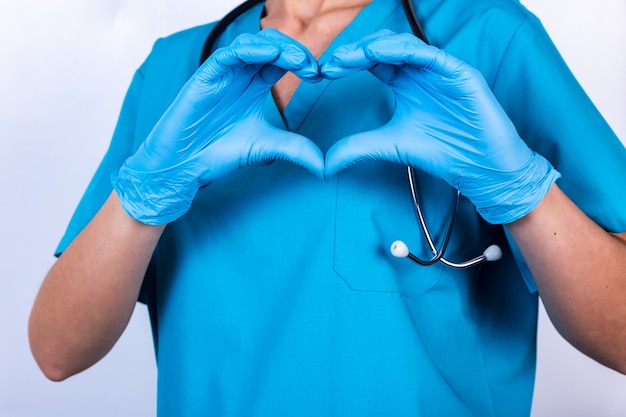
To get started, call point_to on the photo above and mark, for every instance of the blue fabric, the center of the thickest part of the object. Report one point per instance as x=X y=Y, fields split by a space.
x=275 y=295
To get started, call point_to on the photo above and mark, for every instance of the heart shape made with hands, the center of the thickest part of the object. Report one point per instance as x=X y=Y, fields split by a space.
x=446 y=119
x=446 y=123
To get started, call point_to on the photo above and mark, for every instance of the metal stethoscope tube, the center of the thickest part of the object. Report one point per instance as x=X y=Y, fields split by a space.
x=399 y=248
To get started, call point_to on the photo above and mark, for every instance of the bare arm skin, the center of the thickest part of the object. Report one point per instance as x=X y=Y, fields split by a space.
x=88 y=296
x=580 y=271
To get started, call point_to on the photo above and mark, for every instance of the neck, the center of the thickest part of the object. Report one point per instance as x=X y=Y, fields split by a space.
x=314 y=23
x=297 y=15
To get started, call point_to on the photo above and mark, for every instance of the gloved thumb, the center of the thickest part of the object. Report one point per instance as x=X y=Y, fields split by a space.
x=366 y=146
x=288 y=146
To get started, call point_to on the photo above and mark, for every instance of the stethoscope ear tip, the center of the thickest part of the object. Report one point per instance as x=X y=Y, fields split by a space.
x=493 y=253
x=399 y=249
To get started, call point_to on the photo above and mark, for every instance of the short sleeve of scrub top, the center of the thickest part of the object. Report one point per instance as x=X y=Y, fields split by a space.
x=120 y=148
x=132 y=127
x=557 y=119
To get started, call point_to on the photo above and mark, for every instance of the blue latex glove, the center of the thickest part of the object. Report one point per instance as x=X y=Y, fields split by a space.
x=216 y=126
x=446 y=123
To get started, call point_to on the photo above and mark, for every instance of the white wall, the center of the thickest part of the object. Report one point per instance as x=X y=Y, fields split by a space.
x=65 y=68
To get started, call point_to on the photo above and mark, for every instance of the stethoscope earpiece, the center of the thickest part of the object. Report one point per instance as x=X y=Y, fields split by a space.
x=399 y=249
x=493 y=253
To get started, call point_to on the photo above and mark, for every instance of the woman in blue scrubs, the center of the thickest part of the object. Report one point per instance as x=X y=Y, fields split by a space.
x=270 y=287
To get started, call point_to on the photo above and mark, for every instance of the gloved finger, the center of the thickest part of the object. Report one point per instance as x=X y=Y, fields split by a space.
x=294 y=56
x=406 y=49
x=238 y=55
x=346 y=60
x=291 y=147
x=351 y=58
x=366 y=146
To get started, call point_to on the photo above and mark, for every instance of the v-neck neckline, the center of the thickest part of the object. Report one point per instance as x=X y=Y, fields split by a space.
x=369 y=19
x=307 y=94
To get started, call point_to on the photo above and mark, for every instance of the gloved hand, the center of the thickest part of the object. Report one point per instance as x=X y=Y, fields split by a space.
x=446 y=123
x=216 y=126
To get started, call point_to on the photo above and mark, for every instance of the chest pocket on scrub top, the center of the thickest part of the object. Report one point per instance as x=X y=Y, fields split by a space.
x=374 y=208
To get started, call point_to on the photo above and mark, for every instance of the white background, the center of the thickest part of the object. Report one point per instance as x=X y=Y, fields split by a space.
x=65 y=66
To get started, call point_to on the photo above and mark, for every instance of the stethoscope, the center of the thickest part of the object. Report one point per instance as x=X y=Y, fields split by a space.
x=398 y=248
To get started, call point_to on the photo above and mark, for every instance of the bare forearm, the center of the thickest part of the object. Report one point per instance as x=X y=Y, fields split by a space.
x=88 y=297
x=580 y=271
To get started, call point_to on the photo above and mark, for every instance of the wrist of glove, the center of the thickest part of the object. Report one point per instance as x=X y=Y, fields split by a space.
x=155 y=198
x=509 y=196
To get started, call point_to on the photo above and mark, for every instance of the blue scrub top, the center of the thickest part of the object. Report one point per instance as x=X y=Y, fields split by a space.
x=275 y=295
